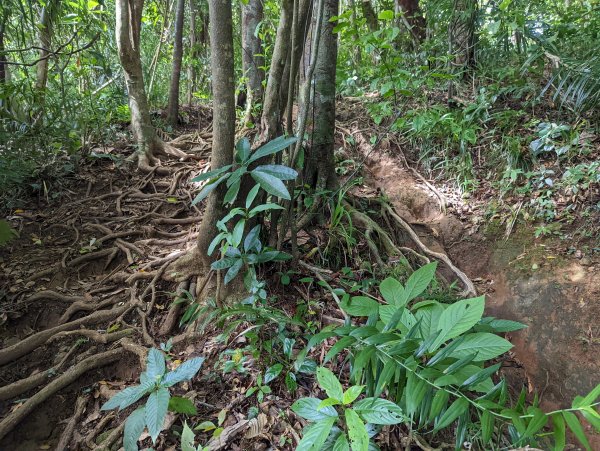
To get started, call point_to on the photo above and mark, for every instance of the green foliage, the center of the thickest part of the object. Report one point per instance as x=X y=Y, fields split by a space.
x=430 y=358
x=154 y=383
x=7 y=233
x=338 y=422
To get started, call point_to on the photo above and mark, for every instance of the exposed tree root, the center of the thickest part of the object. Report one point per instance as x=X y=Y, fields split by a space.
x=64 y=380
x=469 y=286
x=30 y=343
x=66 y=435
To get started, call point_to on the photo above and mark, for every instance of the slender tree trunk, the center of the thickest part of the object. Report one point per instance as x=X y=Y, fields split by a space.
x=369 y=14
x=222 y=57
x=319 y=169
x=163 y=36
x=45 y=42
x=193 y=54
x=414 y=18
x=3 y=65
x=128 y=24
x=271 y=117
x=173 y=108
x=252 y=59
x=461 y=39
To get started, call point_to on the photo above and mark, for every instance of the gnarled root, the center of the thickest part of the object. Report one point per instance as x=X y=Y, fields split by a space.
x=67 y=378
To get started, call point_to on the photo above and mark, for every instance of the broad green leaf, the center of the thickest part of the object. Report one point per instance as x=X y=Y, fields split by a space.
x=156 y=411
x=314 y=435
x=187 y=439
x=279 y=171
x=360 y=306
x=274 y=146
x=211 y=174
x=208 y=188
x=341 y=443
x=155 y=366
x=327 y=403
x=134 y=426
x=419 y=281
x=590 y=398
x=457 y=408
x=252 y=240
x=242 y=148
x=272 y=372
x=487 y=426
x=386 y=14
x=264 y=207
x=577 y=429
x=385 y=377
x=7 y=233
x=416 y=389
x=379 y=411
x=179 y=404
x=559 y=432
x=232 y=192
x=499 y=325
x=480 y=376
x=329 y=382
x=270 y=184
x=429 y=316
x=128 y=396
x=392 y=291
x=536 y=423
x=238 y=233
x=339 y=346
x=459 y=318
x=440 y=399
x=183 y=372
x=252 y=195
x=359 y=438
x=233 y=271
x=224 y=263
x=486 y=345
x=307 y=408
x=352 y=393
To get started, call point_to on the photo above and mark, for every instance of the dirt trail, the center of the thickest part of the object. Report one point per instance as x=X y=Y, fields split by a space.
x=524 y=280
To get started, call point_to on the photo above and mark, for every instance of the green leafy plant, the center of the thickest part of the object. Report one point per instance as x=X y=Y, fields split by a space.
x=430 y=358
x=340 y=421
x=154 y=383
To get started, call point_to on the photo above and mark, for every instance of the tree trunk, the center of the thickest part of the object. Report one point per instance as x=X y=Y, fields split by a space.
x=193 y=55
x=222 y=57
x=414 y=18
x=319 y=170
x=271 y=117
x=45 y=42
x=369 y=14
x=252 y=59
x=461 y=39
x=3 y=60
x=128 y=24
x=173 y=108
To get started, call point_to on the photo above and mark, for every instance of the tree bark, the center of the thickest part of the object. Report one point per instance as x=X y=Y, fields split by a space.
x=173 y=108
x=223 y=89
x=271 y=117
x=369 y=14
x=128 y=25
x=414 y=18
x=461 y=39
x=3 y=65
x=252 y=59
x=320 y=169
x=45 y=42
x=193 y=55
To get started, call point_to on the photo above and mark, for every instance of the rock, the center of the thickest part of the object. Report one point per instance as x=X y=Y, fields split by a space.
x=586 y=261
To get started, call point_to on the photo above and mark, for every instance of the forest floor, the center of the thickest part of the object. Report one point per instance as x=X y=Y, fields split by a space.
x=86 y=275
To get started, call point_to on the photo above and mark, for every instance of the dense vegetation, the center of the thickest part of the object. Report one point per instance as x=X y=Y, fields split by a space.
x=243 y=254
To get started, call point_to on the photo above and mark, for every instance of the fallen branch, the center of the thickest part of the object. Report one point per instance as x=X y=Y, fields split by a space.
x=65 y=437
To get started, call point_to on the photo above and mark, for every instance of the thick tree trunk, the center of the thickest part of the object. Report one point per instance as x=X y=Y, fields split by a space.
x=369 y=14
x=414 y=17
x=173 y=108
x=252 y=59
x=193 y=55
x=271 y=117
x=222 y=57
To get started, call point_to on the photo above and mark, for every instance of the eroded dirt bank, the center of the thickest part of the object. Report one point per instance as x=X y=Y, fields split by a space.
x=524 y=279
